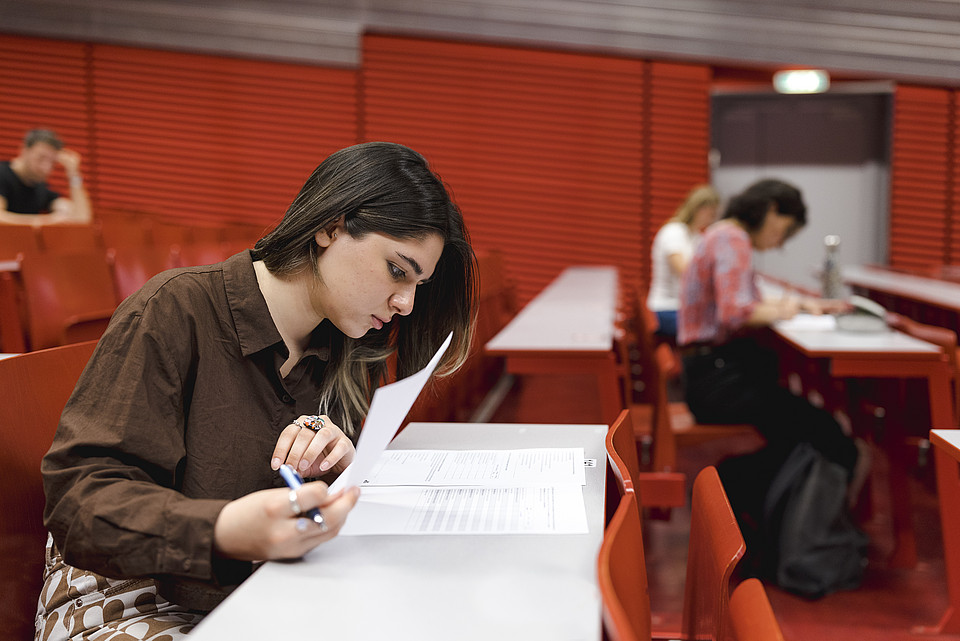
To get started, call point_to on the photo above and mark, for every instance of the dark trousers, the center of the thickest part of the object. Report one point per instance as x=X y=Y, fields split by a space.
x=739 y=383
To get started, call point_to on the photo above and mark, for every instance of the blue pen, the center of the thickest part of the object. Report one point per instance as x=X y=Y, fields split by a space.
x=293 y=480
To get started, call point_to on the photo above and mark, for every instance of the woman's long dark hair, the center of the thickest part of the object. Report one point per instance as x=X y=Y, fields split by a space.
x=385 y=188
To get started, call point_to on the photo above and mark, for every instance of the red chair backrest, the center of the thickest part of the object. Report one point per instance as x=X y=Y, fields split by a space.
x=36 y=386
x=69 y=297
x=16 y=239
x=202 y=253
x=716 y=545
x=131 y=267
x=125 y=230
x=622 y=452
x=751 y=617
x=70 y=238
x=622 y=575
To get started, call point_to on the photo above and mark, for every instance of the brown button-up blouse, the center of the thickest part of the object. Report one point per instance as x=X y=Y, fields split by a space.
x=177 y=413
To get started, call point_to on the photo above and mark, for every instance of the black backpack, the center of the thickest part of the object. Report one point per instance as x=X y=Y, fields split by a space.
x=811 y=546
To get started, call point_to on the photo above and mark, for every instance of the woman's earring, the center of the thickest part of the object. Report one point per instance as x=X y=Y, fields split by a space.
x=334 y=234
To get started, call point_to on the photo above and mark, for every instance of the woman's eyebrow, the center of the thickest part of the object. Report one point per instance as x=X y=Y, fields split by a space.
x=413 y=264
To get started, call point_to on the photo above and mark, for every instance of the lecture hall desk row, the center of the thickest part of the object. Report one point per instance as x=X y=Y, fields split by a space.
x=571 y=326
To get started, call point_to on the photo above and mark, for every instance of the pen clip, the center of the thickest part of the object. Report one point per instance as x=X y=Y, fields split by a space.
x=290 y=476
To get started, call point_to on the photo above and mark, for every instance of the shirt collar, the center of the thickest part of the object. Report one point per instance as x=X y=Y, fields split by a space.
x=255 y=327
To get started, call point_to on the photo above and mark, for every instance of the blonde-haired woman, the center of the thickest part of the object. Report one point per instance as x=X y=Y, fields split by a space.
x=672 y=249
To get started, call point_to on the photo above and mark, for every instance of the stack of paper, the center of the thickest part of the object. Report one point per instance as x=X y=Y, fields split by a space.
x=456 y=492
x=473 y=492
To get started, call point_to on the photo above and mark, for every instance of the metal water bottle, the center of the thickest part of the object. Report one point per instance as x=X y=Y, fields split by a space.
x=831 y=283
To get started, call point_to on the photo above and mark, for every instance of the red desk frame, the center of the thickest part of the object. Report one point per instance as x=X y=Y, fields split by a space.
x=947 y=459
x=602 y=365
x=931 y=366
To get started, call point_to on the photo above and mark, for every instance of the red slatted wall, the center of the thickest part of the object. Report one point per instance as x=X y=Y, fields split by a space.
x=214 y=138
x=920 y=178
x=677 y=128
x=557 y=158
x=542 y=149
x=954 y=257
x=44 y=84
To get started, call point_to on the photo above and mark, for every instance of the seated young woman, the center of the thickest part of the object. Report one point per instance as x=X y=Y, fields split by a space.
x=728 y=376
x=161 y=483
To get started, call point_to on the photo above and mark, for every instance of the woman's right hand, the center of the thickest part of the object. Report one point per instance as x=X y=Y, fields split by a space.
x=788 y=307
x=264 y=526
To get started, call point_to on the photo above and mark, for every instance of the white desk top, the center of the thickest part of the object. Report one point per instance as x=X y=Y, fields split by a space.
x=576 y=312
x=950 y=436
x=836 y=340
x=928 y=290
x=419 y=588
x=951 y=441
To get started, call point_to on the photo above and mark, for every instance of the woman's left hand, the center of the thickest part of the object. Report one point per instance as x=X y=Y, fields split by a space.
x=313 y=445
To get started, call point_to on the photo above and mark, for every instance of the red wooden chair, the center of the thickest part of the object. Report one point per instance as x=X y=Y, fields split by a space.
x=207 y=234
x=241 y=236
x=70 y=238
x=622 y=452
x=202 y=253
x=13 y=333
x=35 y=387
x=716 y=545
x=654 y=489
x=132 y=266
x=622 y=575
x=69 y=297
x=751 y=617
x=16 y=239
x=205 y=246
x=125 y=230
x=664 y=424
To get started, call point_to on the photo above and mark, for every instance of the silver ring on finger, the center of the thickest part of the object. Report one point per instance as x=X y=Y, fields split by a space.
x=314 y=423
x=294 y=503
x=319 y=520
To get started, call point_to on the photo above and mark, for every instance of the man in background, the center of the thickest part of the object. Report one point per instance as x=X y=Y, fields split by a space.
x=25 y=198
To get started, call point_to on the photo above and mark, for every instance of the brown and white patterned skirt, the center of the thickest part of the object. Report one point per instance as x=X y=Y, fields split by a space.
x=77 y=604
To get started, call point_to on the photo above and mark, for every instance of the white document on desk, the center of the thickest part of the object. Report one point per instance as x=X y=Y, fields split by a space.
x=388 y=408
x=526 y=491
x=488 y=468
x=557 y=509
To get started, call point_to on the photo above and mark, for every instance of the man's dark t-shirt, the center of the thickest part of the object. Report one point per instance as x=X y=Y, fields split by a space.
x=23 y=198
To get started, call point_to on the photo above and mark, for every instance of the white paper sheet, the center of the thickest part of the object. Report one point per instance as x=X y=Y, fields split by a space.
x=388 y=408
x=818 y=322
x=468 y=510
x=489 y=468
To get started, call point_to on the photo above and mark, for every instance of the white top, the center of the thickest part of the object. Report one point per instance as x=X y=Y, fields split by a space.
x=420 y=588
x=673 y=238
x=576 y=312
